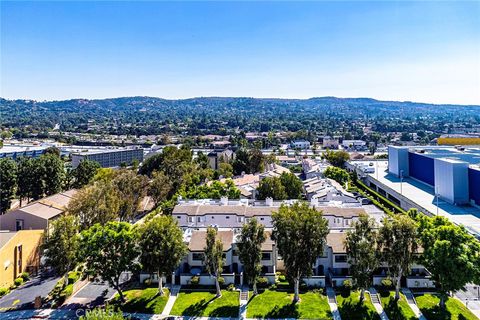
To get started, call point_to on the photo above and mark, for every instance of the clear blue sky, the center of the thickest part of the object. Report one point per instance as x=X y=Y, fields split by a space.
x=419 y=51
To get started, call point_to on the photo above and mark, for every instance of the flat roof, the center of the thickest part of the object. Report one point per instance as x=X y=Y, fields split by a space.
x=424 y=196
x=100 y=151
x=20 y=148
x=470 y=155
x=5 y=237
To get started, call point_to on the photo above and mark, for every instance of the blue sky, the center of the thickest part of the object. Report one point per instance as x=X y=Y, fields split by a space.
x=418 y=51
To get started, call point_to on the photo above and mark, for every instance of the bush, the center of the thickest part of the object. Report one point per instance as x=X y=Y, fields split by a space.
x=387 y=283
x=347 y=284
x=262 y=282
x=18 y=282
x=73 y=277
x=282 y=278
x=25 y=276
x=221 y=281
x=195 y=280
x=231 y=287
x=3 y=291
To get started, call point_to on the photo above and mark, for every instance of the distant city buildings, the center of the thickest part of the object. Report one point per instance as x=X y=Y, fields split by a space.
x=109 y=158
x=17 y=151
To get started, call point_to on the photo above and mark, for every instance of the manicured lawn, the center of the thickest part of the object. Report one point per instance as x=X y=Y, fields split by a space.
x=277 y=304
x=350 y=308
x=204 y=304
x=144 y=300
x=455 y=310
x=396 y=310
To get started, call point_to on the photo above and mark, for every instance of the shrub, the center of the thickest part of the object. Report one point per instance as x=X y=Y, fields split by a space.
x=262 y=282
x=25 y=276
x=3 y=291
x=221 y=281
x=18 y=281
x=73 y=276
x=347 y=284
x=231 y=287
x=195 y=280
x=387 y=283
x=282 y=278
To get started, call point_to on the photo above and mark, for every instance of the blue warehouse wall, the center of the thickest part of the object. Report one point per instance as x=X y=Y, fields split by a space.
x=421 y=168
x=474 y=185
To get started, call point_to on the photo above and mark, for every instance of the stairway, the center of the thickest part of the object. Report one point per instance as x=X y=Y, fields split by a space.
x=374 y=298
x=244 y=295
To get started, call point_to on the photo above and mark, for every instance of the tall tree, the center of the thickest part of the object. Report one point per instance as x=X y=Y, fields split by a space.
x=450 y=253
x=97 y=203
x=160 y=188
x=108 y=251
x=300 y=232
x=61 y=246
x=398 y=242
x=131 y=189
x=53 y=173
x=214 y=257
x=292 y=184
x=336 y=158
x=271 y=187
x=8 y=183
x=162 y=247
x=338 y=174
x=84 y=173
x=250 y=251
x=362 y=250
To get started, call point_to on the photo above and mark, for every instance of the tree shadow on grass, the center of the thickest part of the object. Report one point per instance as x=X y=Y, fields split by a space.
x=436 y=313
x=196 y=309
x=356 y=311
x=225 y=312
x=393 y=310
x=286 y=311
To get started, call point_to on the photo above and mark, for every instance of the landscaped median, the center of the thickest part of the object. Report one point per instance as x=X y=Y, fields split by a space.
x=143 y=300
x=455 y=310
x=396 y=310
x=350 y=307
x=279 y=304
x=205 y=304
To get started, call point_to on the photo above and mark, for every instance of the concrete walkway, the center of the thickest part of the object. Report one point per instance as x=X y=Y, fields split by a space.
x=171 y=300
x=376 y=303
x=242 y=313
x=413 y=304
x=332 y=302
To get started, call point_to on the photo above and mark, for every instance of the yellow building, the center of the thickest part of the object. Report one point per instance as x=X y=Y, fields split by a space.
x=458 y=141
x=19 y=252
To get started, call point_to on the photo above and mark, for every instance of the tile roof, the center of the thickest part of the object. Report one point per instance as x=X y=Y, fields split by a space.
x=49 y=207
x=198 y=240
x=336 y=240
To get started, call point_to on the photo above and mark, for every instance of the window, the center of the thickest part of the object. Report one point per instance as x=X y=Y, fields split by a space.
x=197 y=256
x=178 y=217
x=341 y=258
x=266 y=256
x=262 y=219
x=190 y=219
x=199 y=219
x=234 y=253
x=19 y=224
x=239 y=219
x=347 y=222
x=228 y=217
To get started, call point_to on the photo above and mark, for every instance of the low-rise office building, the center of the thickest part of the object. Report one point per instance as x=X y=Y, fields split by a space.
x=109 y=158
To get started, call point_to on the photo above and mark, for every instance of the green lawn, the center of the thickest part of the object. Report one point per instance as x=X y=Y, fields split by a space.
x=145 y=300
x=277 y=304
x=350 y=308
x=204 y=304
x=396 y=310
x=455 y=310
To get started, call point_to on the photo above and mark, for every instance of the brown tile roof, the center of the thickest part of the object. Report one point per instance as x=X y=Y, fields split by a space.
x=49 y=207
x=335 y=240
x=198 y=240
x=342 y=212
x=269 y=243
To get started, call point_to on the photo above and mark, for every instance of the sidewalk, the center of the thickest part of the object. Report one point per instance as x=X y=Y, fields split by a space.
x=171 y=300
x=413 y=304
x=376 y=303
x=242 y=314
x=332 y=302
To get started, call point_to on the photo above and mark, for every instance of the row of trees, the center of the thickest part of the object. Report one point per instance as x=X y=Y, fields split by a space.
x=33 y=178
x=448 y=251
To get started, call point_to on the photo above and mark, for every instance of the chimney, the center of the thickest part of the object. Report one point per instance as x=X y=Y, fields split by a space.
x=269 y=201
x=224 y=201
x=314 y=202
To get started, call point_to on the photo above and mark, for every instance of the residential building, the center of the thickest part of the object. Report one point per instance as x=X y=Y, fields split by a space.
x=109 y=158
x=37 y=215
x=19 y=252
x=330 y=143
x=216 y=157
x=300 y=144
x=354 y=144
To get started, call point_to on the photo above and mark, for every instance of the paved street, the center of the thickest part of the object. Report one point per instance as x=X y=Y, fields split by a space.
x=471 y=297
x=24 y=296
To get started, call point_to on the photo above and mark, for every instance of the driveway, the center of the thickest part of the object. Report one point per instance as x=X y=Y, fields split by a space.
x=24 y=296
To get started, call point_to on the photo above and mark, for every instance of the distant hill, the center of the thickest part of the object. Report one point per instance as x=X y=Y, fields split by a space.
x=214 y=114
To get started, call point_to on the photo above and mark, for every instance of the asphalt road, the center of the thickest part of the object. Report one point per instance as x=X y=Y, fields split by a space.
x=24 y=297
x=470 y=295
